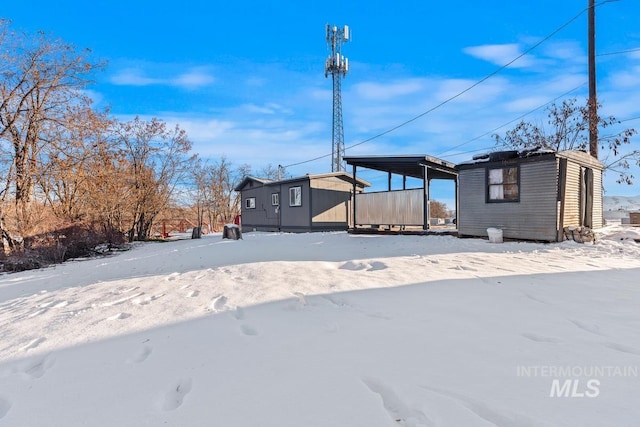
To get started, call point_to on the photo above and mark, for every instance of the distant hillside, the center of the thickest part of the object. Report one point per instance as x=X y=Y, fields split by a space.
x=625 y=203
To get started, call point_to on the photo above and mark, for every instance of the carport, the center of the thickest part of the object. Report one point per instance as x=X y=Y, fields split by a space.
x=402 y=208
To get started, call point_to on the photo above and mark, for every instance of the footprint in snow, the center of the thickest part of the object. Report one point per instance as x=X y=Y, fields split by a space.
x=173 y=276
x=218 y=303
x=119 y=316
x=141 y=355
x=175 y=397
x=377 y=266
x=297 y=303
x=38 y=367
x=353 y=266
x=238 y=313
x=33 y=344
x=248 y=330
x=146 y=300
x=193 y=294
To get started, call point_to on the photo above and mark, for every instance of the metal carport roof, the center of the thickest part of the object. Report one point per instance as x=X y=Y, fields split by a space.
x=409 y=165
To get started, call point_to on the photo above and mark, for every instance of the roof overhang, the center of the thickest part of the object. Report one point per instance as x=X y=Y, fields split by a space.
x=412 y=166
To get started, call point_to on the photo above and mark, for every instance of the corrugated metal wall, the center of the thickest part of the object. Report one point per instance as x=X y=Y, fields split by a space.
x=533 y=217
x=598 y=208
x=574 y=203
x=572 y=200
x=404 y=207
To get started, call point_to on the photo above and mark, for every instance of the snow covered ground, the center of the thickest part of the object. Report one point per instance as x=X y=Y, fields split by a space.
x=327 y=329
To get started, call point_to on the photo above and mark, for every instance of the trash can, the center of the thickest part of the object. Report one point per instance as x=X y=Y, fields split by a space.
x=231 y=231
x=495 y=235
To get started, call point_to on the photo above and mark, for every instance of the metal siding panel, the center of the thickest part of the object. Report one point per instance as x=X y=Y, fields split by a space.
x=572 y=197
x=263 y=216
x=404 y=207
x=330 y=206
x=533 y=217
x=295 y=216
x=598 y=208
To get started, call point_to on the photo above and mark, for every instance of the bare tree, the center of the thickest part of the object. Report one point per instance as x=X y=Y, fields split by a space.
x=438 y=209
x=216 y=196
x=157 y=157
x=66 y=162
x=272 y=172
x=569 y=130
x=40 y=79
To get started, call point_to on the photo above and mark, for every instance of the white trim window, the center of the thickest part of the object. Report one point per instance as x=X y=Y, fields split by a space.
x=250 y=203
x=275 y=199
x=295 y=196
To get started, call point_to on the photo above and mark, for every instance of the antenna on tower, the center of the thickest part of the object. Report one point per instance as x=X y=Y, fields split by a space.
x=337 y=65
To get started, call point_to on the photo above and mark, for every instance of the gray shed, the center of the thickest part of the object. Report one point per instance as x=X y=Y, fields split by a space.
x=530 y=195
x=319 y=202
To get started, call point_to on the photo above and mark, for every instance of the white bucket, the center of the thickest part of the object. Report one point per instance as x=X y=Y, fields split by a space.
x=495 y=235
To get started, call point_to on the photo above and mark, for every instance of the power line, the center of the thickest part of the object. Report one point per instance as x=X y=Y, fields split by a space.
x=446 y=101
x=620 y=52
x=511 y=121
x=628 y=120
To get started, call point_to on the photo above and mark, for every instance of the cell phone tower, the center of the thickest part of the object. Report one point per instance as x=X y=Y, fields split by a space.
x=337 y=65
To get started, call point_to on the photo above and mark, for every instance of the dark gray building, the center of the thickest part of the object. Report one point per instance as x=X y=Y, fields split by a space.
x=530 y=195
x=308 y=203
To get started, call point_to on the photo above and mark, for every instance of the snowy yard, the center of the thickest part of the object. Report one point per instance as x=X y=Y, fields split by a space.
x=327 y=329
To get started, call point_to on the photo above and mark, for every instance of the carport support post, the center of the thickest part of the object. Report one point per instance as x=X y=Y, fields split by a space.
x=457 y=206
x=425 y=185
x=353 y=202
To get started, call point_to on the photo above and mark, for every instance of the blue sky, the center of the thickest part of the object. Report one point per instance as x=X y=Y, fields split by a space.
x=246 y=78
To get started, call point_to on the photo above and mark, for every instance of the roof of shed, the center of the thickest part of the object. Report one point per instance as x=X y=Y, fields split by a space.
x=340 y=175
x=409 y=165
x=537 y=154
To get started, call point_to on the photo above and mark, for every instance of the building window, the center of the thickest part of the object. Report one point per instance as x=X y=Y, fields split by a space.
x=250 y=203
x=295 y=196
x=275 y=199
x=503 y=185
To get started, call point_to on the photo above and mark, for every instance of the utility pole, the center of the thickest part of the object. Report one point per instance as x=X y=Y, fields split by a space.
x=337 y=65
x=592 y=104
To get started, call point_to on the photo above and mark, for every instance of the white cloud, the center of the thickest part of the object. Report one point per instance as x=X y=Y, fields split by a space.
x=133 y=77
x=500 y=54
x=270 y=108
x=190 y=79
x=629 y=78
x=570 y=51
x=384 y=91
x=193 y=79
